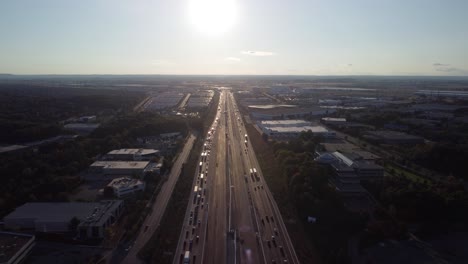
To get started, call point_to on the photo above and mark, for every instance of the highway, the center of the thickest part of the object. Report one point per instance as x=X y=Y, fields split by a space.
x=232 y=216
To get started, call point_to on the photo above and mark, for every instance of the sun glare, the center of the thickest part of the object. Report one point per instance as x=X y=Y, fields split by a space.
x=212 y=16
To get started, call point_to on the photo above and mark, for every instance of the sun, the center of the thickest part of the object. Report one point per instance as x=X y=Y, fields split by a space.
x=212 y=17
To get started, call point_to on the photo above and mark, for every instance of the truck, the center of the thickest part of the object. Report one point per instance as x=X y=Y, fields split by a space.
x=187 y=257
x=195 y=191
x=255 y=174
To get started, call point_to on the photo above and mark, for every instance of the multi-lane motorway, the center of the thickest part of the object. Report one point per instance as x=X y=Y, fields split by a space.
x=231 y=216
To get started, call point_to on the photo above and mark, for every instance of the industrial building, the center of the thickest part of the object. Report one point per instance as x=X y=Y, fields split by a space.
x=348 y=173
x=82 y=128
x=93 y=218
x=393 y=138
x=133 y=154
x=125 y=186
x=119 y=167
x=333 y=120
x=15 y=247
x=287 y=129
x=288 y=112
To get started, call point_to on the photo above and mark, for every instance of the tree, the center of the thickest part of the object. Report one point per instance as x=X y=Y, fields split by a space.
x=73 y=224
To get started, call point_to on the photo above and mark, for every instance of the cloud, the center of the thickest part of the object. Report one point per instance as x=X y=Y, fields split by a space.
x=450 y=69
x=437 y=64
x=257 y=53
x=441 y=67
x=232 y=59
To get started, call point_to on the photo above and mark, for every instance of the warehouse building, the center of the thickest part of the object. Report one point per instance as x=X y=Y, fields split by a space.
x=287 y=129
x=125 y=186
x=93 y=218
x=348 y=173
x=113 y=168
x=393 y=138
x=292 y=113
x=133 y=154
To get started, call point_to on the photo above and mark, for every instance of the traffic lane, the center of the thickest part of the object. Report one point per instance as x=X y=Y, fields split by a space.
x=272 y=247
x=268 y=206
x=242 y=219
x=186 y=231
x=217 y=204
x=265 y=204
x=188 y=237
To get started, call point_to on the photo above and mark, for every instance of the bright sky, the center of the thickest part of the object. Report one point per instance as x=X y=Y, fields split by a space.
x=326 y=37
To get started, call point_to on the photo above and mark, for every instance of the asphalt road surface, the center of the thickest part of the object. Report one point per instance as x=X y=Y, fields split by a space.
x=233 y=218
x=153 y=220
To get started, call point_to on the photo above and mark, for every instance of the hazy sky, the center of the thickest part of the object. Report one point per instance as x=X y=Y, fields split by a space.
x=383 y=37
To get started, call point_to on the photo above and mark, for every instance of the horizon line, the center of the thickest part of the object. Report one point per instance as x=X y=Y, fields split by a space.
x=224 y=75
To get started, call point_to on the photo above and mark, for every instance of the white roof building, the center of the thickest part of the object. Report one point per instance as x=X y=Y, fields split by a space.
x=285 y=129
x=119 y=167
x=132 y=154
x=348 y=172
x=285 y=123
x=126 y=185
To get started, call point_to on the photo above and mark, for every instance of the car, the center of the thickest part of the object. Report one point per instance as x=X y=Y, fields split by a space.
x=275 y=230
x=282 y=251
x=268 y=243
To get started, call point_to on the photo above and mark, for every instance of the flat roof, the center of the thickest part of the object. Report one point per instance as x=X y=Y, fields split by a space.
x=334 y=119
x=286 y=111
x=121 y=164
x=124 y=182
x=284 y=122
x=52 y=212
x=314 y=129
x=82 y=125
x=388 y=134
x=64 y=212
x=343 y=158
x=133 y=151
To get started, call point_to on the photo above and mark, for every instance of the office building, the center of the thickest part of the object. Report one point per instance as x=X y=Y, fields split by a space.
x=132 y=154
x=93 y=218
x=113 y=168
x=125 y=186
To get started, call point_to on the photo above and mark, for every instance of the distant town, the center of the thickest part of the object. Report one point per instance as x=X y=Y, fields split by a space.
x=233 y=169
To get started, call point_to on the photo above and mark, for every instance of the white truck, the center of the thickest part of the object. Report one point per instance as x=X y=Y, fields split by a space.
x=187 y=257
